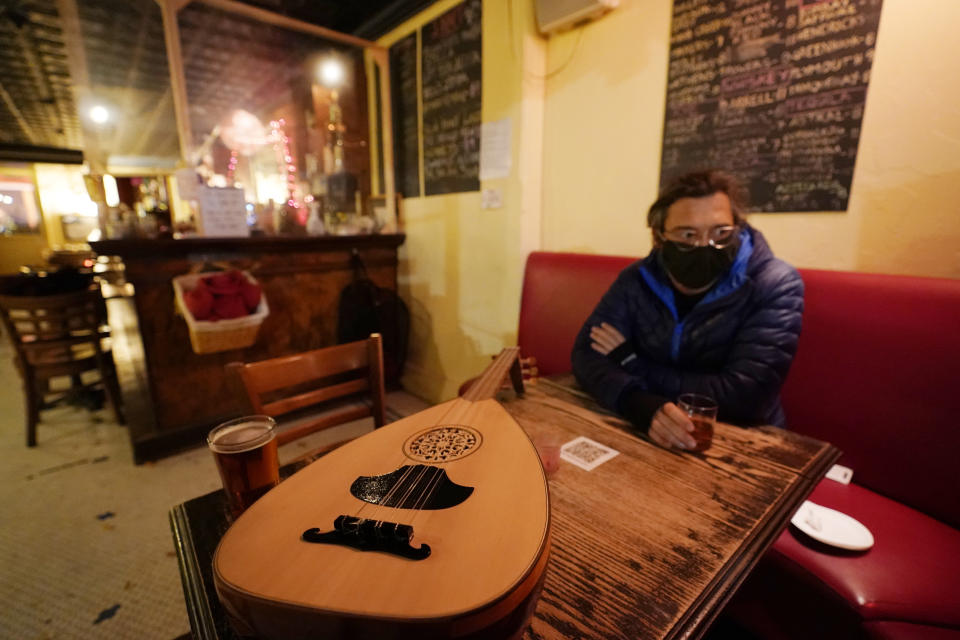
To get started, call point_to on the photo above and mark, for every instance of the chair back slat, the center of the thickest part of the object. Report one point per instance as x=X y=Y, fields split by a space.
x=39 y=318
x=302 y=400
x=288 y=371
x=347 y=414
x=297 y=383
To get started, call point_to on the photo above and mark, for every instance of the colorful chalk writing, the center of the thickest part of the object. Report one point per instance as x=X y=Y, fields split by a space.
x=772 y=91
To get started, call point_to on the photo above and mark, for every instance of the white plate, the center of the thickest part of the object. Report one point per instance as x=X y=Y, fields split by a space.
x=832 y=527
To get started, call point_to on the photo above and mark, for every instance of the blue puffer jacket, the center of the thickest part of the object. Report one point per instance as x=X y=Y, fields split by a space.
x=735 y=345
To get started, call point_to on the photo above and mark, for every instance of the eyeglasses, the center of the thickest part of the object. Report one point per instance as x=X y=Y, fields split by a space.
x=688 y=238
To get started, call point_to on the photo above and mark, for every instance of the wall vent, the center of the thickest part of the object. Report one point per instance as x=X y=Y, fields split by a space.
x=557 y=15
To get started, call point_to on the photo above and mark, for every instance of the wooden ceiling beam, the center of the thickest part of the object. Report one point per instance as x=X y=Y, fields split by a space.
x=178 y=83
x=268 y=17
x=21 y=122
x=128 y=126
x=77 y=63
x=41 y=86
x=152 y=123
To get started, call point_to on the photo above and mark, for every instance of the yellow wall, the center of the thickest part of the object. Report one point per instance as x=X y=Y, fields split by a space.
x=604 y=118
x=22 y=248
x=586 y=157
x=61 y=192
x=19 y=250
x=461 y=266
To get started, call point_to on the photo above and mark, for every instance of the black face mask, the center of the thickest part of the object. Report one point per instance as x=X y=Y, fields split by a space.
x=698 y=267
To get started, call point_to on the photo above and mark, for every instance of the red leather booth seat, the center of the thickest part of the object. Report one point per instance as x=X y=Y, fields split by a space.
x=559 y=292
x=888 y=630
x=877 y=373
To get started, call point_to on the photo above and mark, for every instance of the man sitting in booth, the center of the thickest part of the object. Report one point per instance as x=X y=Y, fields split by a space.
x=710 y=310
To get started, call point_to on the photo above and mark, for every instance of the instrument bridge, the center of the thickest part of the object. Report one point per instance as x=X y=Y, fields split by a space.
x=366 y=534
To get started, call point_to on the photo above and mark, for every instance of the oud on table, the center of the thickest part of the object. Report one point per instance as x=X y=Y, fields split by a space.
x=435 y=526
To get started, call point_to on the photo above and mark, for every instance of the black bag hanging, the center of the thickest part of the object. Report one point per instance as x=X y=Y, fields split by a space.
x=366 y=308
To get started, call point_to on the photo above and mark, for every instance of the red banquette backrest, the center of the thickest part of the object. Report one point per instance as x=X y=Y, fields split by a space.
x=877 y=373
x=559 y=292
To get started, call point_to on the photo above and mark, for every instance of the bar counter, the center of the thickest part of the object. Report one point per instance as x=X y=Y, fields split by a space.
x=173 y=396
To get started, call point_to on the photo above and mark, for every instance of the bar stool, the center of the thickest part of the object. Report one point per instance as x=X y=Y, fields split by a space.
x=55 y=336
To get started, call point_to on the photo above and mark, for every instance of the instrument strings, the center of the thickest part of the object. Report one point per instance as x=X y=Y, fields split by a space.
x=485 y=387
x=391 y=493
x=408 y=474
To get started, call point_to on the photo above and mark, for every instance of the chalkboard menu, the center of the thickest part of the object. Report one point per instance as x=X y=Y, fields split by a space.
x=406 y=122
x=773 y=92
x=451 y=68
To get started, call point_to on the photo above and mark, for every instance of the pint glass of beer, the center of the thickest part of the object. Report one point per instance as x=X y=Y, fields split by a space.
x=246 y=453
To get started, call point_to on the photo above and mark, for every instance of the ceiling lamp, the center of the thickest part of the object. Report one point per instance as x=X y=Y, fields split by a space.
x=242 y=132
x=99 y=114
x=331 y=73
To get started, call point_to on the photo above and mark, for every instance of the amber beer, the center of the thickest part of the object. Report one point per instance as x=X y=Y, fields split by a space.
x=702 y=432
x=245 y=450
x=703 y=413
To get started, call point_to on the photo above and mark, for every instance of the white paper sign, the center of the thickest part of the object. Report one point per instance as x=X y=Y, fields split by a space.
x=223 y=213
x=188 y=184
x=491 y=199
x=495 y=149
x=586 y=453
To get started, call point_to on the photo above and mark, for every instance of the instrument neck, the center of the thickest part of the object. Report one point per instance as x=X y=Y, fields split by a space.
x=490 y=380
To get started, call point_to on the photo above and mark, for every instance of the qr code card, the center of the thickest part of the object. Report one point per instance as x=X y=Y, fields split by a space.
x=586 y=453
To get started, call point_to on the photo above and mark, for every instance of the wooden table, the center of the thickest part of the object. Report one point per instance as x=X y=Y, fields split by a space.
x=650 y=544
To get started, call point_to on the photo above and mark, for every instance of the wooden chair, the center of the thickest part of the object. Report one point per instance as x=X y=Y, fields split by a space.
x=300 y=385
x=56 y=336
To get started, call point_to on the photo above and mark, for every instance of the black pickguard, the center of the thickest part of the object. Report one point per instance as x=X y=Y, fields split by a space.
x=417 y=486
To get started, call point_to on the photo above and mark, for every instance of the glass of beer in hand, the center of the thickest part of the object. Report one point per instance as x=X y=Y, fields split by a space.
x=703 y=413
x=246 y=453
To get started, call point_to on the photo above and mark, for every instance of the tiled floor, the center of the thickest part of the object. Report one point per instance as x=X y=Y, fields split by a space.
x=85 y=545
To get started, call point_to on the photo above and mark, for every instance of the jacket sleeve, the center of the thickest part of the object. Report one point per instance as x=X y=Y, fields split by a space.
x=749 y=383
x=597 y=374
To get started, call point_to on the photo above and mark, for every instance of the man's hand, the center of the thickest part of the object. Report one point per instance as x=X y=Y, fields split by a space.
x=671 y=428
x=605 y=338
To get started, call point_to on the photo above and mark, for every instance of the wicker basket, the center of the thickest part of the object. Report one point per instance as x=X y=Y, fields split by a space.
x=220 y=335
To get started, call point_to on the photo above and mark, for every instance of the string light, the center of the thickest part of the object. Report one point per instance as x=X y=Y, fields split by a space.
x=232 y=167
x=280 y=138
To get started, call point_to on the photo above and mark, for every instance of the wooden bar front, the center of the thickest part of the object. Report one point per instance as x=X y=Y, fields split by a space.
x=173 y=395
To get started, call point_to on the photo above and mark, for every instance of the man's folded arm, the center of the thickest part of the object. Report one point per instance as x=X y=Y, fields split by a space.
x=598 y=374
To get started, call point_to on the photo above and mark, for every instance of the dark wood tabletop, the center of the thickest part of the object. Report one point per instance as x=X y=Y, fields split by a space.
x=650 y=544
